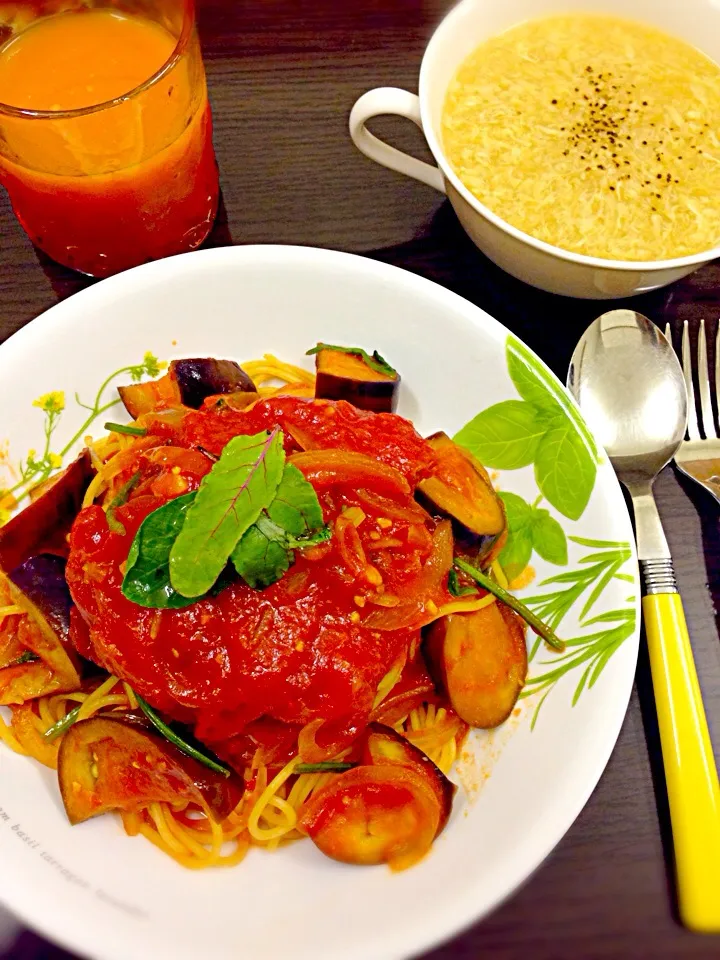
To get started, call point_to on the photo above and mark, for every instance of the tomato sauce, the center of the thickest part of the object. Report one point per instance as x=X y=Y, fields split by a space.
x=125 y=184
x=296 y=652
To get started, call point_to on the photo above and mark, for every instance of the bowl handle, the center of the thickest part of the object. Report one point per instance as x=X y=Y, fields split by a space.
x=385 y=100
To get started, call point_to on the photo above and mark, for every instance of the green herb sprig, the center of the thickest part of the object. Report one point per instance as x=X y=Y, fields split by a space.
x=63 y=724
x=126 y=429
x=324 y=766
x=177 y=741
x=252 y=509
x=542 y=629
x=456 y=589
x=374 y=361
x=26 y=657
x=120 y=498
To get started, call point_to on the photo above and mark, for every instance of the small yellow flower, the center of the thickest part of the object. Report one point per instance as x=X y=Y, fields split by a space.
x=53 y=402
x=31 y=454
x=55 y=460
x=4 y=516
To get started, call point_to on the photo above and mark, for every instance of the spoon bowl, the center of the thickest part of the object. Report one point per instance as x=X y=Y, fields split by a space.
x=630 y=386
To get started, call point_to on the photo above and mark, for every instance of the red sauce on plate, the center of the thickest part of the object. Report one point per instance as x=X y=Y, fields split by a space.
x=295 y=652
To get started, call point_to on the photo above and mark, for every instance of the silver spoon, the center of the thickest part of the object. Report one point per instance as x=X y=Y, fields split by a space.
x=630 y=388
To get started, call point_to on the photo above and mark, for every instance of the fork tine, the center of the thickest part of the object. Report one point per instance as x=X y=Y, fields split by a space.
x=708 y=423
x=693 y=431
x=668 y=333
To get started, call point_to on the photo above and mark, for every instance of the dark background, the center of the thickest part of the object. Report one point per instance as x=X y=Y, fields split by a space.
x=283 y=75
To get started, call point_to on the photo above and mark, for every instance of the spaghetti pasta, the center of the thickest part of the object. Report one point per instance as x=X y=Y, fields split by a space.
x=363 y=592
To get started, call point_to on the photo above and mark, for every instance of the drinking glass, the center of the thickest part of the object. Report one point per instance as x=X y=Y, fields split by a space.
x=105 y=186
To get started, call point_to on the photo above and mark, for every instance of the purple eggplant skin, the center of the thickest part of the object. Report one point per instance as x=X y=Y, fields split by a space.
x=43 y=525
x=201 y=378
x=41 y=579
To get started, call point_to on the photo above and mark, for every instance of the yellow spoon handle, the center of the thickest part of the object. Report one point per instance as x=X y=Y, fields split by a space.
x=690 y=771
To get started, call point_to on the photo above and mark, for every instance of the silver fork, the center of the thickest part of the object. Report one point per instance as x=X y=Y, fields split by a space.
x=699 y=458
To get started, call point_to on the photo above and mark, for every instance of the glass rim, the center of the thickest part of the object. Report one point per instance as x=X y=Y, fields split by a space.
x=188 y=24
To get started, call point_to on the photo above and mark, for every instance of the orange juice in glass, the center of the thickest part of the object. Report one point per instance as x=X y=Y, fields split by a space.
x=105 y=130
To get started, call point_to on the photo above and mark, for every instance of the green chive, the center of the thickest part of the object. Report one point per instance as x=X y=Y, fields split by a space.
x=375 y=362
x=117 y=501
x=456 y=588
x=62 y=725
x=326 y=766
x=178 y=741
x=126 y=429
x=542 y=629
x=27 y=657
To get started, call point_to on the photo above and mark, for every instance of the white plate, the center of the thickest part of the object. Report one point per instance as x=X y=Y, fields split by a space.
x=106 y=895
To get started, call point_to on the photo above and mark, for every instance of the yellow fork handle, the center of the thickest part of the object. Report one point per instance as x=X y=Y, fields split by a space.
x=690 y=771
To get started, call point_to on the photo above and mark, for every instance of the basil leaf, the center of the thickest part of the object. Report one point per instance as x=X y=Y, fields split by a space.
x=147 y=574
x=262 y=556
x=293 y=520
x=565 y=469
x=375 y=362
x=230 y=499
x=505 y=436
x=548 y=538
x=296 y=507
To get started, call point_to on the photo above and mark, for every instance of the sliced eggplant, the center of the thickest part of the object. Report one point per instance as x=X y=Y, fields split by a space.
x=385 y=813
x=349 y=373
x=480 y=660
x=106 y=764
x=41 y=580
x=460 y=489
x=141 y=398
x=383 y=745
x=39 y=591
x=44 y=524
x=200 y=378
x=237 y=400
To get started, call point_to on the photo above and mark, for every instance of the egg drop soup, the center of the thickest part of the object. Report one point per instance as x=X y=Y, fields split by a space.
x=592 y=133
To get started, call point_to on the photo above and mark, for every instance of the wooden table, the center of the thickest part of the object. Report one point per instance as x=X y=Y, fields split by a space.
x=283 y=75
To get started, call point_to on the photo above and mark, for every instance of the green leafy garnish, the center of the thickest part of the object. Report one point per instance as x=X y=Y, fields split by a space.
x=26 y=657
x=127 y=429
x=324 y=766
x=542 y=629
x=292 y=521
x=290 y=518
x=63 y=724
x=455 y=588
x=147 y=574
x=229 y=500
x=375 y=361
x=117 y=501
x=177 y=741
